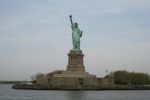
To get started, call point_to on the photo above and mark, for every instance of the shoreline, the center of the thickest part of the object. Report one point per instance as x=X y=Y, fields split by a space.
x=36 y=87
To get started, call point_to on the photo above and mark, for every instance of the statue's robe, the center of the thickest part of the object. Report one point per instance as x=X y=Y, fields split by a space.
x=76 y=34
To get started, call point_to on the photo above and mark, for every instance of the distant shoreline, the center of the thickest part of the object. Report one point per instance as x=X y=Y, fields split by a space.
x=11 y=82
x=35 y=87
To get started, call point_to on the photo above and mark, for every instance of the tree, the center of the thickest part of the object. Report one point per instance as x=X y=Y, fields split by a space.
x=36 y=77
x=130 y=78
x=51 y=74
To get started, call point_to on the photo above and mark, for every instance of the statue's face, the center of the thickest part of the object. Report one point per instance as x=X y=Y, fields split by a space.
x=76 y=24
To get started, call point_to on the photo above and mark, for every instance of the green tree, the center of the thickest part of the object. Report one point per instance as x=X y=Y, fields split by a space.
x=130 y=78
x=36 y=77
x=51 y=74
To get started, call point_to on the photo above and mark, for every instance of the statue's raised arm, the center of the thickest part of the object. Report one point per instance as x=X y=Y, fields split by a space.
x=71 y=20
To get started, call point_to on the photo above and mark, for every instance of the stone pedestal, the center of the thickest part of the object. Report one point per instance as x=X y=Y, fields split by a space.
x=75 y=61
x=75 y=76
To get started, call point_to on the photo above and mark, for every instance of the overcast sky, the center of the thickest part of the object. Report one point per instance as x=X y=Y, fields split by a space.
x=35 y=36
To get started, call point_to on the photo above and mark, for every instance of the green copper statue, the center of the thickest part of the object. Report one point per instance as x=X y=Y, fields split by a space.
x=76 y=34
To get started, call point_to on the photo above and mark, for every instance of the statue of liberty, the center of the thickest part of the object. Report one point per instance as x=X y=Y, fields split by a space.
x=76 y=35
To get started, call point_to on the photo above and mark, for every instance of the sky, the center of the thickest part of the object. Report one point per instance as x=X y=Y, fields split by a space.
x=35 y=36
